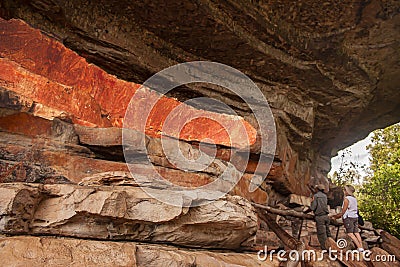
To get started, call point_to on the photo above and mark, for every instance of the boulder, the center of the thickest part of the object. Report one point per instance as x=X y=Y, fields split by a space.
x=368 y=224
x=391 y=244
x=381 y=258
x=123 y=213
x=373 y=240
x=350 y=261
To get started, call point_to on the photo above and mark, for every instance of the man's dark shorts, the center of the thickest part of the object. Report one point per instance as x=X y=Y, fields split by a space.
x=351 y=225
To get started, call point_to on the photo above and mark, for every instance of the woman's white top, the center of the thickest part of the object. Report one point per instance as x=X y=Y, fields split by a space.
x=352 y=209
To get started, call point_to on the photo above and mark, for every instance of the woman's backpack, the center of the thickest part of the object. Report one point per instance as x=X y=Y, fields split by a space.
x=360 y=219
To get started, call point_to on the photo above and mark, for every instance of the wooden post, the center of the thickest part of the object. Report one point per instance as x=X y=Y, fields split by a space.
x=337 y=232
x=301 y=226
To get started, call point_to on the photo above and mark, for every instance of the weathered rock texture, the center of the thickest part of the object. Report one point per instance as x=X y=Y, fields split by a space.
x=123 y=213
x=59 y=78
x=47 y=251
x=391 y=244
x=55 y=91
x=63 y=153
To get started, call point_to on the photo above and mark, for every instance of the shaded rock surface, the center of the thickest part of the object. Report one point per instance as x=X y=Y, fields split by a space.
x=87 y=99
x=107 y=204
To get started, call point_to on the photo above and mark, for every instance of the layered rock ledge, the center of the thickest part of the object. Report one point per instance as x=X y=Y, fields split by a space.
x=123 y=213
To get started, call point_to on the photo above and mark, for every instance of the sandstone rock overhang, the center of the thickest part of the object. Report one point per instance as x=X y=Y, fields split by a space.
x=44 y=78
x=329 y=70
x=44 y=70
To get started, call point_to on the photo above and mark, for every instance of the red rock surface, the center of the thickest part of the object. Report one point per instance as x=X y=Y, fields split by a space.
x=24 y=123
x=43 y=69
x=75 y=165
x=55 y=95
x=35 y=156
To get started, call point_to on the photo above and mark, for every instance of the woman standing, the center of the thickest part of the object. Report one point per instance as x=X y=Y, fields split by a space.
x=350 y=216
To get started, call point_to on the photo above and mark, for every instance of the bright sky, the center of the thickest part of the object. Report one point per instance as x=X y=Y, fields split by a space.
x=358 y=154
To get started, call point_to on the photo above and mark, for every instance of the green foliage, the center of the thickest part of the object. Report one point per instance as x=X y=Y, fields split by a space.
x=380 y=192
x=348 y=172
x=385 y=147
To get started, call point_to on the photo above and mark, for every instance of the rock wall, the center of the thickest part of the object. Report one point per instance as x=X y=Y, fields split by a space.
x=50 y=93
x=328 y=70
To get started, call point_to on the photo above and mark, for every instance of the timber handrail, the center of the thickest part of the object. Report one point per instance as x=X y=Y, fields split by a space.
x=303 y=215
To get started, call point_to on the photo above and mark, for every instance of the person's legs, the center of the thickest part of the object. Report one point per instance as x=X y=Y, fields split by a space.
x=355 y=240
x=357 y=235
x=321 y=230
x=296 y=225
x=349 y=224
x=327 y=222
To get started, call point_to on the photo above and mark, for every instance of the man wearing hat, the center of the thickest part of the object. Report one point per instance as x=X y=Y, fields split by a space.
x=319 y=206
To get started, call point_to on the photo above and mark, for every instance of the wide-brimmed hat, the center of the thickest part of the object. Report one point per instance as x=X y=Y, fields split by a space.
x=320 y=187
x=349 y=190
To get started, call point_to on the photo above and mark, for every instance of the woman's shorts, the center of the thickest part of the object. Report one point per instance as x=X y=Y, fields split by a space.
x=351 y=225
